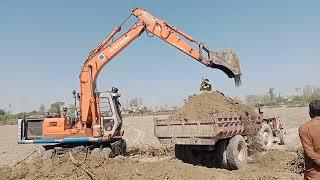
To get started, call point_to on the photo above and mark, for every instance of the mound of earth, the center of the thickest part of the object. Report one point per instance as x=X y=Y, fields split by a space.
x=274 y=164
x=209 y=105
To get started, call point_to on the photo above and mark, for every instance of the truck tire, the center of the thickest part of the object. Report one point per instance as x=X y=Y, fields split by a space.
x=106 y=153
x=237 y=152
x=220 y=153
x=48 y=154
x=265 y=137
x=179 y=152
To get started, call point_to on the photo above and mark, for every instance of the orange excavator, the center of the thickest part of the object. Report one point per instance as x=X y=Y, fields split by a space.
x=98 y=122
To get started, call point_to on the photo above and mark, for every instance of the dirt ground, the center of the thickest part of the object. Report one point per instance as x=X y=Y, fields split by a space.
x=158 y=164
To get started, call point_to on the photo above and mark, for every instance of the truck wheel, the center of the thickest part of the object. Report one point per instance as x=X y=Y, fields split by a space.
x=265 y=137
x=237 y=152
x=96 y=152
x=179 y=152
x=221 y=153
x=279 y=133
x=106 y=153
x=48 y=154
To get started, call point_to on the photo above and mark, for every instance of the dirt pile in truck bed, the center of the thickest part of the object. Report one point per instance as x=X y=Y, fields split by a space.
x=210 y=105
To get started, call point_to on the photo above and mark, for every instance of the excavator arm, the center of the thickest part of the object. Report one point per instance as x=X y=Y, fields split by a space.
x=225 y=60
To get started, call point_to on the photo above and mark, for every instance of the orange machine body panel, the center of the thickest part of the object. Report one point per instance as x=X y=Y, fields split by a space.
x=60 y=128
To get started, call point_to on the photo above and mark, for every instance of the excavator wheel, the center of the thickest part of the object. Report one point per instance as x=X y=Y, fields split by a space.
x=96 y=152
x=48 y=154
x=106 y=153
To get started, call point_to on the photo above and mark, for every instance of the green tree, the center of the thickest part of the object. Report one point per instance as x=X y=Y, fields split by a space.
x=71 y=110
x=56 y=107
x=2 y=112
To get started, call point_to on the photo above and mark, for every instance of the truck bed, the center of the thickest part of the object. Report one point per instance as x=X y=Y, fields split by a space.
x=204 y=132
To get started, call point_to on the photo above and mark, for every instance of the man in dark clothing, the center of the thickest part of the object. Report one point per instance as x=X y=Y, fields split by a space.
x=309 y=133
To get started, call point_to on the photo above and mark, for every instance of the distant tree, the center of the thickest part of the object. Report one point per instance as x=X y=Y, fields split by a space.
x=271 y=92
x=175 y=107
x=145 y=109
x=308 y=91
x=71 y=110
x=135 y=103
x=2 y=112
x=42 y=109
x=56 y=107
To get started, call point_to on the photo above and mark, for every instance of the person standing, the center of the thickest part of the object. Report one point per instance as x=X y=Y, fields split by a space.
x=309 y=133
x=206 y=85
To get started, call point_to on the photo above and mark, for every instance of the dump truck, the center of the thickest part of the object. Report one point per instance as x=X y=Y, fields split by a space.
x=221 y=141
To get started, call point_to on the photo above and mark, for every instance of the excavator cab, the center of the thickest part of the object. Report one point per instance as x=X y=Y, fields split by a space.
x=109 y=108
x=44 y=130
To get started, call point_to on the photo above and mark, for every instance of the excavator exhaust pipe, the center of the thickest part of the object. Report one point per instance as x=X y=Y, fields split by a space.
x=226 y=60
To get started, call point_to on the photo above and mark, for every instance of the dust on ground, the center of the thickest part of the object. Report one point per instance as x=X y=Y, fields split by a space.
x=207 y=106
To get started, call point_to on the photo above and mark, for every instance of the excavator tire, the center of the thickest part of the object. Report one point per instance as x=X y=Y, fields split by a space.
x=221 y=153
x=106 y=153
x=96 y=151
x=237 y=152
x=48 y=154
x=265 y=137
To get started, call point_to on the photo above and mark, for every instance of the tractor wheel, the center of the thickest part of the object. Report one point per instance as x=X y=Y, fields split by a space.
x=237 y=152
x=96 y=152
x=221 y=153
x=265 y=137
x=48 y=154
x=106 y=153
x=280 y=133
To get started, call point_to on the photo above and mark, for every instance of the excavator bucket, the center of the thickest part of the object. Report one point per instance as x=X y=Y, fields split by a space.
x=227 y=61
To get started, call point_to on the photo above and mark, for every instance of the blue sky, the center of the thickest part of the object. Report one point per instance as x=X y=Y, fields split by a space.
x=44 y=43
